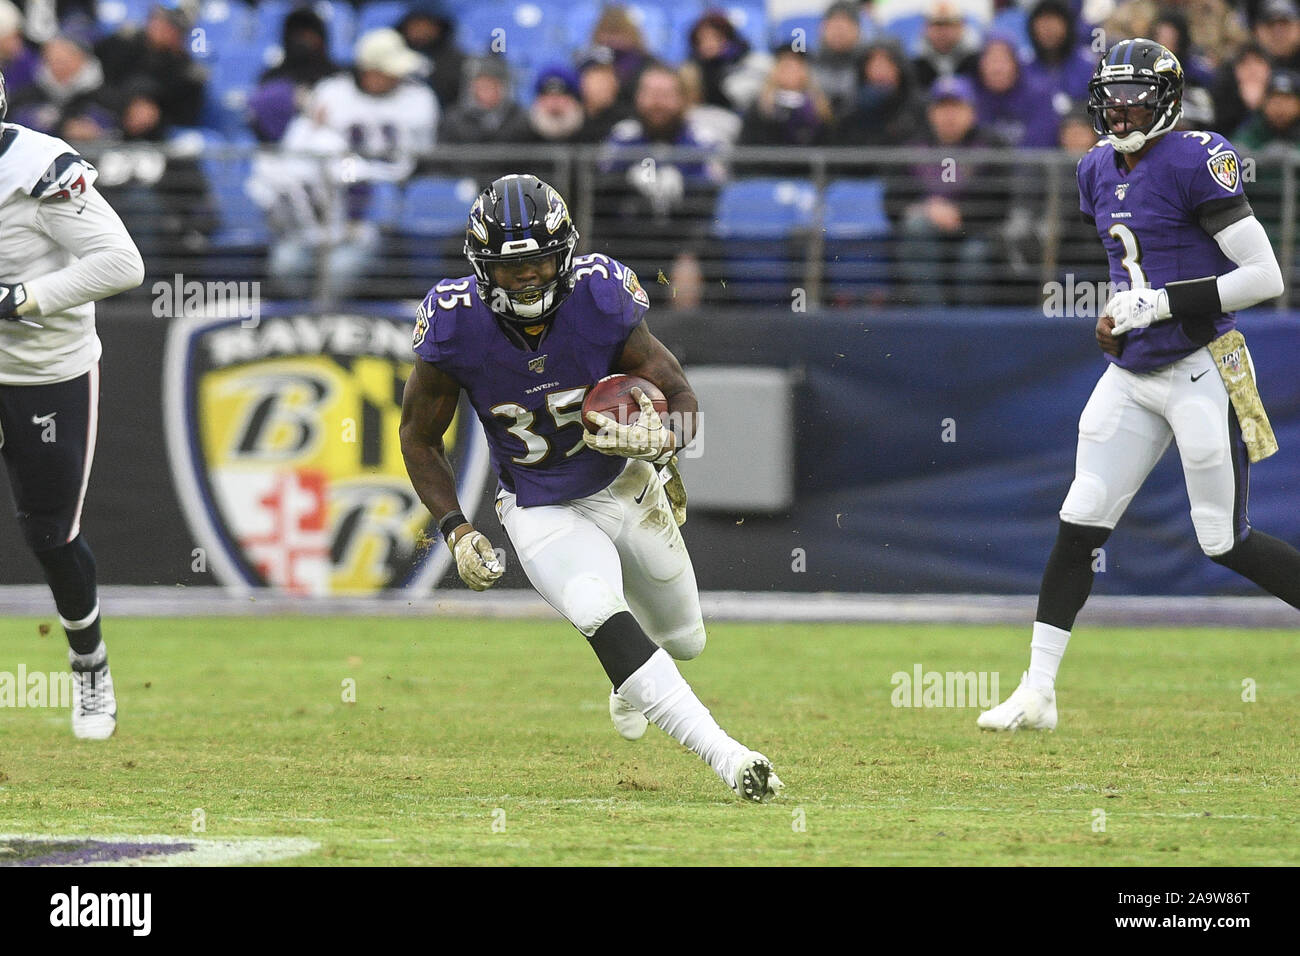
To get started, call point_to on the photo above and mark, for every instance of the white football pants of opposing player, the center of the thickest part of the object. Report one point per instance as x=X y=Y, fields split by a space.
x=1128 y=424
x=617 y=550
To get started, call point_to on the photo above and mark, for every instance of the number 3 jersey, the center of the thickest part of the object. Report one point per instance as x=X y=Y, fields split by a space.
x=530 y=400
x=1157 y=222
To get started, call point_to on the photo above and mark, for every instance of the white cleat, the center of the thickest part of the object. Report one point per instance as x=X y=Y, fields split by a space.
x=752 y=778
x=94 y=706
x=628 y=721
x=1028 y=708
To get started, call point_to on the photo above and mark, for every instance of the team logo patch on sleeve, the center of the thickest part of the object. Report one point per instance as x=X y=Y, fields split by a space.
x=1225 y=169
x=421 y=325
x=633 y=286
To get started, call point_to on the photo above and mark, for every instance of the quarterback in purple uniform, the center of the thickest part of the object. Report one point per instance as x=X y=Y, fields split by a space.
x=1186 y=252
x=589 y=513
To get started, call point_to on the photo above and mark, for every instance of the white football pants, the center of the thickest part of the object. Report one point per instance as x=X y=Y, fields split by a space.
x=593 y=557
x=1127 y=425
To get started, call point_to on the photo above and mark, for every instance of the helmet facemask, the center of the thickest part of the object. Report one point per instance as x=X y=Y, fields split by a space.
x=522 y=278
x=1144 y=103
x=543 y=277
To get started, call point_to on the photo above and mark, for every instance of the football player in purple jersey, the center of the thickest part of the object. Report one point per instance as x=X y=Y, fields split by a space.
x=1186 y=252
x=525 y=336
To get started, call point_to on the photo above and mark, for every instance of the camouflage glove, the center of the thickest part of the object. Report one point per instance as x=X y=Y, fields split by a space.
x=676 y=491
x=646 y=439
x=476 y=562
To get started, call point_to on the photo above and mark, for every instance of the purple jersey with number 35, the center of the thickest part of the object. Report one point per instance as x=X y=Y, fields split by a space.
x=1149 y=221
x=530 y=401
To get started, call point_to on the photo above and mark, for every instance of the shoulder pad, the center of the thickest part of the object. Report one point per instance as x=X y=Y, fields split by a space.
x=609 y=283
x=1212 y=151
x=437 y=312
x=65 y=179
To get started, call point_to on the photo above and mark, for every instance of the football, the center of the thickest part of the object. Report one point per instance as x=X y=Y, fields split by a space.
x=612 y=396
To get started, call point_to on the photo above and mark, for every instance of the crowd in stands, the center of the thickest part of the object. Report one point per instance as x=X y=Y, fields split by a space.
x=355 y=114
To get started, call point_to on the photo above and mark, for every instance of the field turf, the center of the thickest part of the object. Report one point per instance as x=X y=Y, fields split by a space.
x=488 y=742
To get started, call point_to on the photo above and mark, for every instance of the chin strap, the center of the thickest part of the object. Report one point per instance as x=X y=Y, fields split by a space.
x=1128 y=144
x=1134 y=141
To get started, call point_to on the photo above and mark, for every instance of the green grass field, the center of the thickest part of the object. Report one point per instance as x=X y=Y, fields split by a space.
x=460 y=724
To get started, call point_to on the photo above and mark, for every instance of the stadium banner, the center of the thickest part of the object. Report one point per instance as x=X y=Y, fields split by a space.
x=282 y=438
x=932 y=451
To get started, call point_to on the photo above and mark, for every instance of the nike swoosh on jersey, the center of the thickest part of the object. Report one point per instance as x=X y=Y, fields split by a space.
x=1202 y=375
x=43 y=419
x=641 y=496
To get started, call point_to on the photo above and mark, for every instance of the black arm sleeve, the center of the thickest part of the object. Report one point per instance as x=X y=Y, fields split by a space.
x=1218 y=214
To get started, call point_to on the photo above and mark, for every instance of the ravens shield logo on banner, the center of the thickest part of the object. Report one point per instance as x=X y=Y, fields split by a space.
x=283 y=440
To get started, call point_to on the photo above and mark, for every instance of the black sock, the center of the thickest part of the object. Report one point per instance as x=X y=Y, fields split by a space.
x=1271 y=563
x=70 y=573
x=622 y=647
x=1067 y=579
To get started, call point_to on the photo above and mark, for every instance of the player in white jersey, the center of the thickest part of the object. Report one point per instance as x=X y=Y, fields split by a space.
x=61 y=248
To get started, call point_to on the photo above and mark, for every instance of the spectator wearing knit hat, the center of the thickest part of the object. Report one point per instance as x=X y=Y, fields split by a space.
x=556 y=115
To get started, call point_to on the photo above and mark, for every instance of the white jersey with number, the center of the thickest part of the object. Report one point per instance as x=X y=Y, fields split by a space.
x=62 y=240
x=391 y=127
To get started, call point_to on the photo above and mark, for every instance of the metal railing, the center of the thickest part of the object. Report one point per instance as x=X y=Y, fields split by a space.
x=747 y=226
